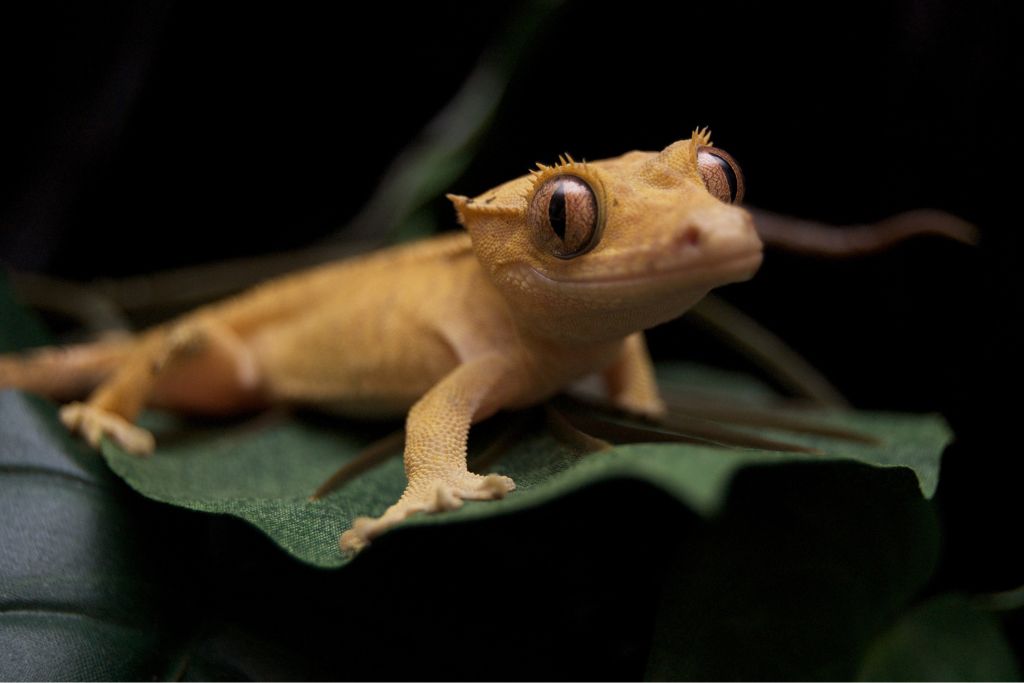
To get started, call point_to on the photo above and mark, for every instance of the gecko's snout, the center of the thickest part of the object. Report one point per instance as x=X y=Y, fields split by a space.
x=722 y=235
x=718 y=230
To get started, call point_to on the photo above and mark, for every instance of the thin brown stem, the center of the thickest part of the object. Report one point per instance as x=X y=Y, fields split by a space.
x=615 y=426
x=513 y=427
x=566 y=432
x=820 y=240
x=709 y=409
x=368 y=458
x=767 y=350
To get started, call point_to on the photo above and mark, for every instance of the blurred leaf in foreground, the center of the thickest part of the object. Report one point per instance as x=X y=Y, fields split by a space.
x=83 y=587
x=944 y=639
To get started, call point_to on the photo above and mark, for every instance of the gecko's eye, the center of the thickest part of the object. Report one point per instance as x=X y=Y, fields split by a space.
x=564 y=216
x=722 y=175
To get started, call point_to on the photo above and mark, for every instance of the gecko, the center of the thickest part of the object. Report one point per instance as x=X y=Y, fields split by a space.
x=553 y=279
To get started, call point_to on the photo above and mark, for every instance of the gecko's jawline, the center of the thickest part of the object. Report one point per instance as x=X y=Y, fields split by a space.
x=733 y=269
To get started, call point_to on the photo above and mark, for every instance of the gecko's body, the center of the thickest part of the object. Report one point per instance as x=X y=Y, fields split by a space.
x=558 y=274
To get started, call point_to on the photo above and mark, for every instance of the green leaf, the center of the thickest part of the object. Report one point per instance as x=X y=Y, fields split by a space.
x=803 y=567
x=944 y=639
x=264 y=470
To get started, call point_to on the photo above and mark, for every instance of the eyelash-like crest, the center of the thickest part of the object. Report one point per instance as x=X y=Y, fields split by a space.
x=566 y=166
x=701 y=137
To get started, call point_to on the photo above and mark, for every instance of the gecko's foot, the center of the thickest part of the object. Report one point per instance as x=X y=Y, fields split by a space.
x=651 y=408
x=94 y=423
x=435 y=496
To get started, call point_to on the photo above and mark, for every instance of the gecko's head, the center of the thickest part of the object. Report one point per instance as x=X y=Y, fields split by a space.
x=606 y=248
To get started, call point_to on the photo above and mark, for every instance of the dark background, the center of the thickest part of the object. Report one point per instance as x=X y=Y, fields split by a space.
x=143 y=135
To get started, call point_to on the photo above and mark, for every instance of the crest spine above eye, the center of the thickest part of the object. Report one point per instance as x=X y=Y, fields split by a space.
x=701 y=137
x=566 y=165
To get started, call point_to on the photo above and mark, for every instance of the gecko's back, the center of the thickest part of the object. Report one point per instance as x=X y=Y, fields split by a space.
x=375 y=337
x=296 y=293
x=280 y=330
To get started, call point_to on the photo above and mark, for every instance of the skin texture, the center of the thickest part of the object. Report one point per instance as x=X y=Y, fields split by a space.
x=448 y=330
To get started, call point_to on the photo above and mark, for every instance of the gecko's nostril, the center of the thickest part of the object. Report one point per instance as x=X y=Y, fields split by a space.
x=689 y=237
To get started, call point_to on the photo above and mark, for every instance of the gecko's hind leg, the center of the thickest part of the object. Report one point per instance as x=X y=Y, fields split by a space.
x=198 y=366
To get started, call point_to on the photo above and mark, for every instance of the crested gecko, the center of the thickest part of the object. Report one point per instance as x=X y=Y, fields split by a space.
x=554 y=278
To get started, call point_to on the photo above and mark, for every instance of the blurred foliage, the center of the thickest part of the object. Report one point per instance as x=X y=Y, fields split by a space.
x=946 y=638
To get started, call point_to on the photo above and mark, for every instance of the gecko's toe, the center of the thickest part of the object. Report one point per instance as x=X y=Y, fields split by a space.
x=445 y=498
x=365 y=529
x=135 y=440
x=483 y=487
x=71 y=415
x=355 y=539
x=499 y=484
x=649 y=408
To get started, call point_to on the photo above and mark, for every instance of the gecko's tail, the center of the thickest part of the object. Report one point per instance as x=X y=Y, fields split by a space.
x=64 y=373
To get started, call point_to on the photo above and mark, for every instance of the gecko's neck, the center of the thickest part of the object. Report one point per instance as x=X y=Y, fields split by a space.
x=569 y=326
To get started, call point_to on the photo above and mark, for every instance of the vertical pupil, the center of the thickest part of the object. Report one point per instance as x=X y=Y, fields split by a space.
x=730 y=176
x=556 y=211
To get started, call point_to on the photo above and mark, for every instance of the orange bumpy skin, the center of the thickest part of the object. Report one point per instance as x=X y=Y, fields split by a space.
x=556 y=276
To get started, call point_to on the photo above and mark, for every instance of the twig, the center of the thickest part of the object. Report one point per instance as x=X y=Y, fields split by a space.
x=827 y=241
x=764 y=348
x=368 y=458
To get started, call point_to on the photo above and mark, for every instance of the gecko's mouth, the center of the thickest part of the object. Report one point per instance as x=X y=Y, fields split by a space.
x=733 y=268
x=720 y=272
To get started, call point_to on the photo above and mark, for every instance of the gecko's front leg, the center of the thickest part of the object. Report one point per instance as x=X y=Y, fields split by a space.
x=437 y=430
x=630 y=380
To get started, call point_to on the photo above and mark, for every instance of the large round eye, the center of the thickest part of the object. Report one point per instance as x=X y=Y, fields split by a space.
x=722 y=175
x=564 y=216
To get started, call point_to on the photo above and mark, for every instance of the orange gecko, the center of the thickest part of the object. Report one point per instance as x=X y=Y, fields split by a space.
x=555 y=278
